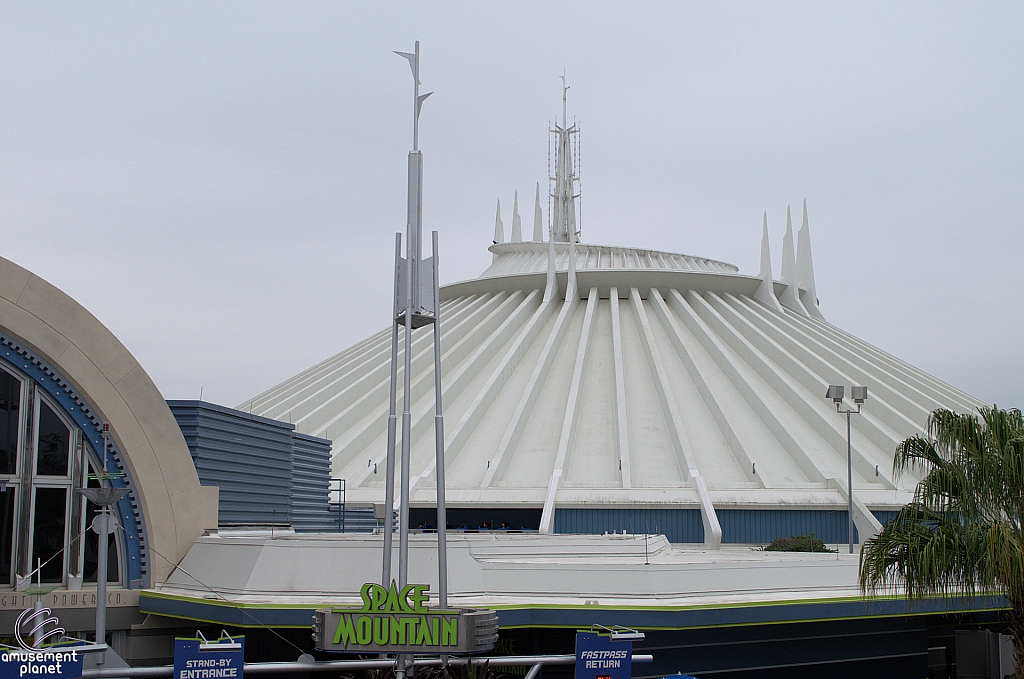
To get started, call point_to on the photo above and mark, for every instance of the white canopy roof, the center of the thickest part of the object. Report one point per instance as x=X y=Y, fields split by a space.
x=665 y=373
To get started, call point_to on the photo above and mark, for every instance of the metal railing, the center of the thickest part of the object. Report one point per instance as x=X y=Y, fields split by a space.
x=337 y=486
x=534 y=661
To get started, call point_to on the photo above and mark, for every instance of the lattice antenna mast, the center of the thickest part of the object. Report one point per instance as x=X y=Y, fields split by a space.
x=416 y=304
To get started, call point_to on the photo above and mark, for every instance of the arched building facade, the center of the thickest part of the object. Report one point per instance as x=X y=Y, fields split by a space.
x=63 y=376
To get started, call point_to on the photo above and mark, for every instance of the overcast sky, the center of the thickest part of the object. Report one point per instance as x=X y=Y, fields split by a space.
x=220 y=183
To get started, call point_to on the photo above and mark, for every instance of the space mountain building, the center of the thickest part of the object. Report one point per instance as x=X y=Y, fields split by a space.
x=604 y=388
x=622 y=426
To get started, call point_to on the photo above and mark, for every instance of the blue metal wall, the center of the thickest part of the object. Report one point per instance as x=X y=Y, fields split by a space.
x=678 y=525
x=749 y=526
x=247 y=456
x=311 y=473
x=885 y=517
x=761 y=526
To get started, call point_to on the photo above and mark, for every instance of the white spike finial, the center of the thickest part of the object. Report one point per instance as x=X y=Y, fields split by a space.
x=805 y=270
x=517 y=226
x=766 y=289
x=499 y=228
x=417 y=98
x=789 y=297
x=538 y=219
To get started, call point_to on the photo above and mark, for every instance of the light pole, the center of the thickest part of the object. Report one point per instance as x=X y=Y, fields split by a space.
x=103 y=525
x=859 y=395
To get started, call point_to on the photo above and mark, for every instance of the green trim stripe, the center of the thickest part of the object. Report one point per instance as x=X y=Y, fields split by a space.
x=574 y=616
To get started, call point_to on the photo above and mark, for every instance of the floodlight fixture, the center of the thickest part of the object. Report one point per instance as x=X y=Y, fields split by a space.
x=619 y=633
x=858 y=395
x=628 y=636
x=224 y=643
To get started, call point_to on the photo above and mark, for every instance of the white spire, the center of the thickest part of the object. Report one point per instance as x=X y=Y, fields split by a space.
x=789 y=298
x=517 y=228
x=566 y=181
x=499 y=228
x=565 y=228
x=538 y=220
x=805 y=270
x=766 y=289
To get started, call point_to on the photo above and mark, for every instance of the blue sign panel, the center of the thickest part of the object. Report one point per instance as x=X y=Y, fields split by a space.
x=598 y=657
x=199 y=659
x=55 y=662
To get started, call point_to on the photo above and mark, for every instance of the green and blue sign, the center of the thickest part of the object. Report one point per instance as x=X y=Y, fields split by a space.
x=397 y=620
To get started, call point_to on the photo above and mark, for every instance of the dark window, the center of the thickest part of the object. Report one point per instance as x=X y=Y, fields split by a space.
x=10 y=400
x=54 y=437
x=6 y=534
x=48 y=532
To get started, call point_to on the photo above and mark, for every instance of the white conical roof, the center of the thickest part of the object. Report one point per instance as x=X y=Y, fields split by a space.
x=665 y=373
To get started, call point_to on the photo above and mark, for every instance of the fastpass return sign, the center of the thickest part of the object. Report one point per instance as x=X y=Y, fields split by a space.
x=397 y=620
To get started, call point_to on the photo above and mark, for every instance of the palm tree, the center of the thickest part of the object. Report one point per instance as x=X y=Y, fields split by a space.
x=962 y=533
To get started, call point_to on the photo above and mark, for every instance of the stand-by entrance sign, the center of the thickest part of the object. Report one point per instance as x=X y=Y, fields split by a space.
x=599 y=657
x=202 y=659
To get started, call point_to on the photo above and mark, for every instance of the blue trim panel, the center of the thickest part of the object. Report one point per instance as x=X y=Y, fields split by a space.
x=226 y=614
x=81 y=412
x=587 y=616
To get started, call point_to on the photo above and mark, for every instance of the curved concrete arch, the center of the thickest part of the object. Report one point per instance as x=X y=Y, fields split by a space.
x=175 y=507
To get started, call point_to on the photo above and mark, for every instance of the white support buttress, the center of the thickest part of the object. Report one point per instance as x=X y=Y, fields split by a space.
x=571 y=417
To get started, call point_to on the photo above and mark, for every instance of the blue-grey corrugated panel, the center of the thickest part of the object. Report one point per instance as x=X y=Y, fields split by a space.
x=884 y=516
x=357 y=519
x=678 y=525
x=311 y=481
x=247 y=456
x=761 y=526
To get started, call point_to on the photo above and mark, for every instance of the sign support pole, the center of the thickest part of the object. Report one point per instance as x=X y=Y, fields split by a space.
x=389 y=481
x=442 y=518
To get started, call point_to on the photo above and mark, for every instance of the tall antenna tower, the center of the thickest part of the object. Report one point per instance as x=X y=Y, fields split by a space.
x=564 y=176
x=565 y=195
